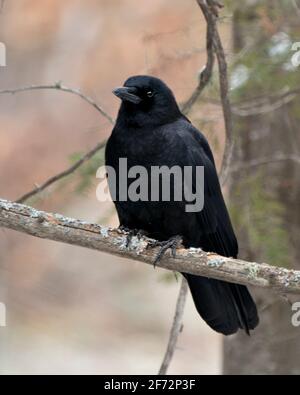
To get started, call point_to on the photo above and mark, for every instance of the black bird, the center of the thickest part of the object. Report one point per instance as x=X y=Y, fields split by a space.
x=151 y=131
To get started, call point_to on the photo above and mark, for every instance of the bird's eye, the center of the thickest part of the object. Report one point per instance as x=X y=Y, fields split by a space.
x=150 y=93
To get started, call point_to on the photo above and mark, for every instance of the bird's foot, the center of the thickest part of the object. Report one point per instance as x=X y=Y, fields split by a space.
x=139 y=233
x=173 y=243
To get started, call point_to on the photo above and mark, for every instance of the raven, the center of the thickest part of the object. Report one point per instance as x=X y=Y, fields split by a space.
x=151 y=131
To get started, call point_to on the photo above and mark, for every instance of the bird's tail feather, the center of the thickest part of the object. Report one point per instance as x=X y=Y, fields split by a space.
x=224 y=306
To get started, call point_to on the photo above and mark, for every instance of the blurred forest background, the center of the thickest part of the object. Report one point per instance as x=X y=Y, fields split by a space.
x=71 y=310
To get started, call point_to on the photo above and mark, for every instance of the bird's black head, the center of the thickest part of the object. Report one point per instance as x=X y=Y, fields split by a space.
x=146 y=101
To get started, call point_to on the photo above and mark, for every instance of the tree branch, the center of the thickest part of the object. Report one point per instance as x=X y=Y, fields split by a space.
x=113 y=241
x=206 y=73
x=257 y=105
x=265 y=107
x=176 y=327
x=63 y=174
x=60 y=87
x=208 y=8
x=265 y=161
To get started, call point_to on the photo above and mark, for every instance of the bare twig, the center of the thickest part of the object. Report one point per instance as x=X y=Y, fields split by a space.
x=176 y=327
x=60 y=87
x=268 y=98
x=208 y=8
x=205 y=74
x=113 y=241
x=63 y=174
x=223 y=79
x=259 y=104
x=264 y=107
x=265 y=161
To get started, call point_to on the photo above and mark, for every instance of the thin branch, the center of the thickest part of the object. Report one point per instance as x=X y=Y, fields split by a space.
x=206 y=73
x=209 y=10
x=63 y=174
x=60 y=87
x=269 y=98
x=264 y=107
x=260 y=104
x=265 y=161
x=176 y=327
x=211 y=18
x=113 y=241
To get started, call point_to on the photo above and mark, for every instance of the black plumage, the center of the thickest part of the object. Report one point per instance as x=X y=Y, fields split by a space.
x=151 y=131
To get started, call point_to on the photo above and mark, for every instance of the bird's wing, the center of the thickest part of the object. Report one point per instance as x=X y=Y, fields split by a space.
x=214 y=224
x=225 y=307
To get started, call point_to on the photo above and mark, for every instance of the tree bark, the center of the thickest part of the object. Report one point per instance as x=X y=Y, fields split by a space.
x=115 y=241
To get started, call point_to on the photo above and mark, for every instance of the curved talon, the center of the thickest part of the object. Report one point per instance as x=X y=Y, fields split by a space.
x=172 y=243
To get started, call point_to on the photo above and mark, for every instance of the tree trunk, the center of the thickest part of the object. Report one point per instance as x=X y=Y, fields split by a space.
x=265 y=198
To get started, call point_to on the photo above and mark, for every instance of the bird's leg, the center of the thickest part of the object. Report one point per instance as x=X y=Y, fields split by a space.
x=131 y=233
x=172 y=244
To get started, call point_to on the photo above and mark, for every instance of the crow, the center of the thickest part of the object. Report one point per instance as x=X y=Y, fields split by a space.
x=151 y=131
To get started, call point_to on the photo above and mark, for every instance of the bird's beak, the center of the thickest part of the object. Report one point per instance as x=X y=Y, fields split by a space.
x=127 y=94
